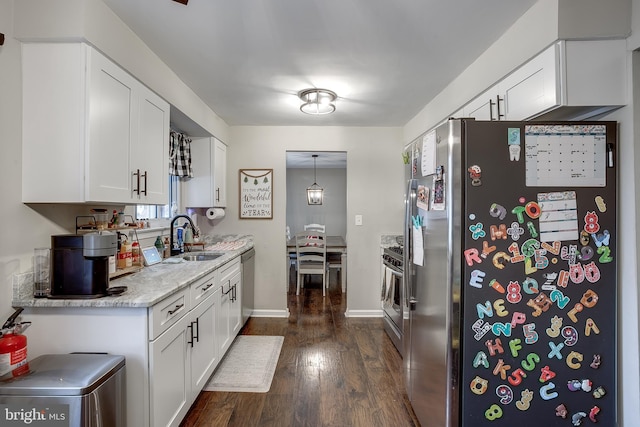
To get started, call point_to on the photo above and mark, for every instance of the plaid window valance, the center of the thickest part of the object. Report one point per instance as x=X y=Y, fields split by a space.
x=180 y=155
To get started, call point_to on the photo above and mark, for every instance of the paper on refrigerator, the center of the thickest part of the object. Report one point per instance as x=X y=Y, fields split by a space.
x=418 y=242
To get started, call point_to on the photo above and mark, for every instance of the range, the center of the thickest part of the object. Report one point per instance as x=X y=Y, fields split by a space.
x=392 y=293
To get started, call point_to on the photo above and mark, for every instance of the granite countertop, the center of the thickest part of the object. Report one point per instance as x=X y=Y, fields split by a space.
x=146 y=287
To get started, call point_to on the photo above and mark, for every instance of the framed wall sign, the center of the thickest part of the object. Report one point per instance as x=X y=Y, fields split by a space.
x=256 y=194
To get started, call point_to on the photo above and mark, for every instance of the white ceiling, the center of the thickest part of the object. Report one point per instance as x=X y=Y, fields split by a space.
x=386 y=59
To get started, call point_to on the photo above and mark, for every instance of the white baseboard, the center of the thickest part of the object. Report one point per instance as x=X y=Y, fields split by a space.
x=363 y=313
x=270 y=313
x=285 y=313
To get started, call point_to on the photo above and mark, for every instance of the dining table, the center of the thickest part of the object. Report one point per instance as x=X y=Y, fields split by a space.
x=335 y=245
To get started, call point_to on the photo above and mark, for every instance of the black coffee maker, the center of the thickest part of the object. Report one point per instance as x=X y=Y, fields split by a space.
x=80 y=264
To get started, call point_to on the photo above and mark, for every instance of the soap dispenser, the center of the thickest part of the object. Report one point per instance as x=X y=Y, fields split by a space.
x=159 y=246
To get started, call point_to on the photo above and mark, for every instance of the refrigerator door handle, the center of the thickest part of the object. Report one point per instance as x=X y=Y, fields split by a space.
x=412 y=303
x=412 y=194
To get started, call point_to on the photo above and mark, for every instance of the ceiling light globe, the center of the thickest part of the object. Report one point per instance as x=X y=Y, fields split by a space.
x=317 y=101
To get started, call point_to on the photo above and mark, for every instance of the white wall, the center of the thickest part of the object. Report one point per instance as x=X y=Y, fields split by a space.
x=374 y=189
x=333 y=210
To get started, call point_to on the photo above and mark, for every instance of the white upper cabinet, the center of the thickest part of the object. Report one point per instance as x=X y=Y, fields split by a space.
x=91 y=132
x=150 y=155
x=207 y=187
x=485 y=106
x=220 y=175
x=570 y=80
x=532 y=88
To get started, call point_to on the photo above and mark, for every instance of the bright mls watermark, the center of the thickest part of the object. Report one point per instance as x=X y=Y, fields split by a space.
x=34 y=415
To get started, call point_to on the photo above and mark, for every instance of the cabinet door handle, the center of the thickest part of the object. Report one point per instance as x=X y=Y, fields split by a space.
x=137 y=175
x=197 y=336
x=498 y=106
x=145 y=183
x=228 y=290
x=190 y=342
x=234 y=293
x=178 y=307
x=217 y=194
x=491 y=110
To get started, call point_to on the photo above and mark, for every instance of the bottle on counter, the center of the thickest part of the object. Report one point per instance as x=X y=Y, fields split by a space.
x=124 y=256
x=180 y=239
x=188 y=235
x=135 y=254
x=167 y=249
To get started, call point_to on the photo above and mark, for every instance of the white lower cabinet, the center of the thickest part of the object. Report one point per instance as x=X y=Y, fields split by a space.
x=203 y=343
x=183 y=356
x=171 y=348
x=230 y=319
x=169 y=381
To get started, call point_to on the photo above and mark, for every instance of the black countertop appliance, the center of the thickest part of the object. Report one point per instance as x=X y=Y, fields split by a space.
x=80 y=264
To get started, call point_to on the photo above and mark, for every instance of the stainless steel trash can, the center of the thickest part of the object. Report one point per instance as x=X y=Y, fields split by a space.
x=71 y=390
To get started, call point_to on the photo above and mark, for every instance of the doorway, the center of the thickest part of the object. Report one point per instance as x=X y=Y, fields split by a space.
x=330 y=173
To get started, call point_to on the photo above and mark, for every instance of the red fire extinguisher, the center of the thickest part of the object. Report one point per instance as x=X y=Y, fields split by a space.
x=13 y=346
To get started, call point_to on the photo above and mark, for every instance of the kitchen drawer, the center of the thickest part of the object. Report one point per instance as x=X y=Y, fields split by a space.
x=227 y=271
x=202 y=288
x=167 y=312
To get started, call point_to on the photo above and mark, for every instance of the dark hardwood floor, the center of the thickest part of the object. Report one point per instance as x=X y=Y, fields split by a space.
x=332 y=371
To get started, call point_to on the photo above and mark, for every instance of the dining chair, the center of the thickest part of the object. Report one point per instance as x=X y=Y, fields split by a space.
x=315 y=227
x=311 y=252
x=292 y=256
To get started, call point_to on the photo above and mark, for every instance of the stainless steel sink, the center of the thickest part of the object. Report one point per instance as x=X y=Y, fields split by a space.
x=201 y=257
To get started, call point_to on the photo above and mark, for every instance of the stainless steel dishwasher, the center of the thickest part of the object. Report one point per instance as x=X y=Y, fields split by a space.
x=248 y=276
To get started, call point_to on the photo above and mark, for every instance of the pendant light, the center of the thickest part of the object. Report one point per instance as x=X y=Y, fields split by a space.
x=314 y=193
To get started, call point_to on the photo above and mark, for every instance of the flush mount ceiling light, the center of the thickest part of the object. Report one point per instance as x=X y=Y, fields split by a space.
x=317 y=101
x=314 y=193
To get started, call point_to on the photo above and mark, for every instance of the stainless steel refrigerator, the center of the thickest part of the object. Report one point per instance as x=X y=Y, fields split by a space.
x=510 y=275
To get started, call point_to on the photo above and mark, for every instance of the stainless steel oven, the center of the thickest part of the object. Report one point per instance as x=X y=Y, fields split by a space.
x=392 y=294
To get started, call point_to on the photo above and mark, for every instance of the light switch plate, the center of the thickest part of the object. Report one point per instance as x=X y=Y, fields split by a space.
x=358 y=219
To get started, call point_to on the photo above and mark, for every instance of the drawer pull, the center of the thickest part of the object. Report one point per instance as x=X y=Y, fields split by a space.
x=206 y=288
x=178 y=307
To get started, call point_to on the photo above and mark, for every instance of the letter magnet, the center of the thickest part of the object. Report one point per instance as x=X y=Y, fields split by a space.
x=561 y=411
x=497 y=211
x=576 y=419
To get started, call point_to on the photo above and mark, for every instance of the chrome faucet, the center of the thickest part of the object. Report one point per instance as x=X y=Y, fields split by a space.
x=173 y=220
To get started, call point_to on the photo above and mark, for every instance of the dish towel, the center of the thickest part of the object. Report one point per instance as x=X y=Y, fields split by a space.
x=180 y=155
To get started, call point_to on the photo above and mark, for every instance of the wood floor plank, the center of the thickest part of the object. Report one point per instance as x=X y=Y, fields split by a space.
x=333 y=371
